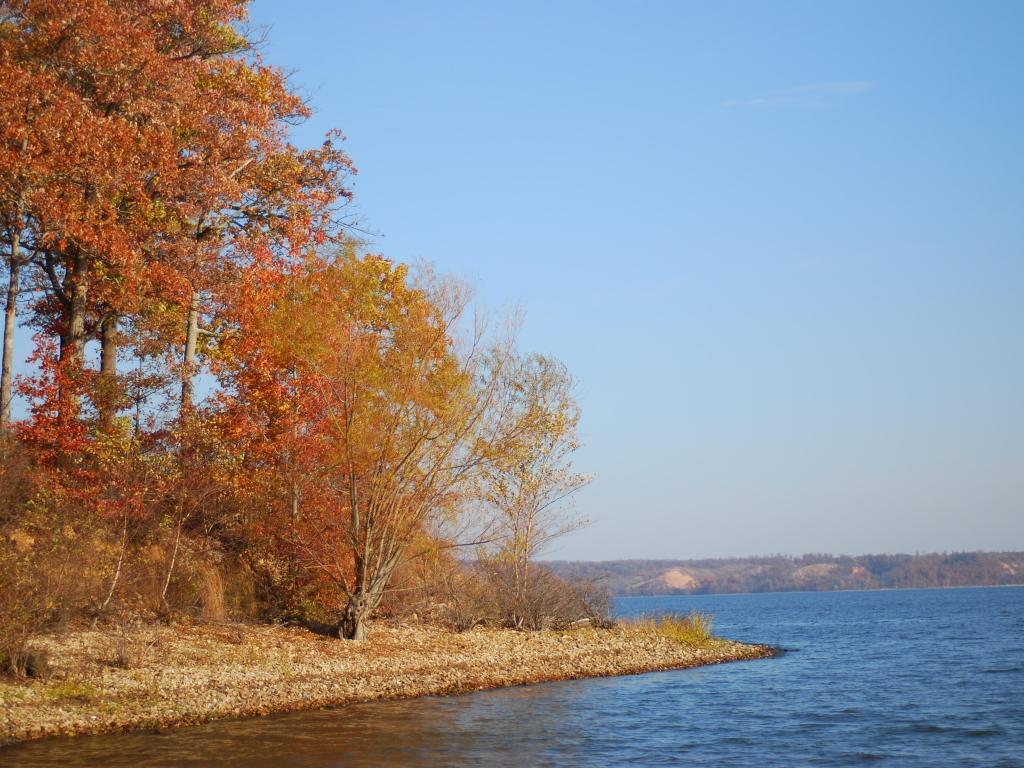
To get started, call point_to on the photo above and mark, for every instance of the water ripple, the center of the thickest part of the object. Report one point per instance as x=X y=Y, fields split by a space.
x=914 y=678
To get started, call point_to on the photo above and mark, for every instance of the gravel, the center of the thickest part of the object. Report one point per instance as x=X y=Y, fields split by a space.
x=164 y=677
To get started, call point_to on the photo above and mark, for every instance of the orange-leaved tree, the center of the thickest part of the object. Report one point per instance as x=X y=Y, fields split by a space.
x=143 y=156
x=349 y=383
x=144 y=163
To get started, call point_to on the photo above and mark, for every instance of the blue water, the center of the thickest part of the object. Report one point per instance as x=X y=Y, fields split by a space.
x=902 y=678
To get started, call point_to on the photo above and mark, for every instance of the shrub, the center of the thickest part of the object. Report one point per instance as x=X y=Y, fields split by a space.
x=24 y=605
x=481 y=593
x=694 y=629
x=544 y=600
x=17 y=660
x=461 y=595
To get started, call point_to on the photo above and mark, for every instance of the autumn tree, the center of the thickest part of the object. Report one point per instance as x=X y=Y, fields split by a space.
x=350 y=374
x=14 y=188
x=529 y=480
x=36 y=130
x=155 y=144
x=144 y=164
x=84 y=149
x=13 y=261
x=152 y=205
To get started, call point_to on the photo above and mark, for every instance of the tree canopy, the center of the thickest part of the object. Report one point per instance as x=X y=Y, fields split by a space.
x=353 y=414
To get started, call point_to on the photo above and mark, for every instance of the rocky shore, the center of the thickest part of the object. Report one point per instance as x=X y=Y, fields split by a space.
x=164 y=677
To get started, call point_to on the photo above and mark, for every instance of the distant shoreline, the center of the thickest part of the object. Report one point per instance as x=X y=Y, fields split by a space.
x=164 y=677
x=803 y=573
x=818 y=591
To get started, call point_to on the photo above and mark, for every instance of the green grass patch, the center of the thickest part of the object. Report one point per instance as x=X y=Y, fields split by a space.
x=69 y=690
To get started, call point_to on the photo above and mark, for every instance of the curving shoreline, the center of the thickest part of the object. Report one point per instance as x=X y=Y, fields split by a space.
x=165 y=677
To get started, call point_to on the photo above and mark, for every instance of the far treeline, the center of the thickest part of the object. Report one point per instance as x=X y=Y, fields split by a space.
x=231 y=407
x=807 y=573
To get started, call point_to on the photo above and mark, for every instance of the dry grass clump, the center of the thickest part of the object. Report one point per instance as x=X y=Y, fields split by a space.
x=692 y=630
x=129 y=648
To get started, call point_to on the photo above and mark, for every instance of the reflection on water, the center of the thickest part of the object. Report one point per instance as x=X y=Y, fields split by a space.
x=902 y=678
x=529 y=722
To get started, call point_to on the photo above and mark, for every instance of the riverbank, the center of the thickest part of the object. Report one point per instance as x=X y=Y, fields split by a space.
x=164 y=677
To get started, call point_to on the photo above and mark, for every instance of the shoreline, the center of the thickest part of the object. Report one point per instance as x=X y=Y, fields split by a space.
x=818 y=591
x=156 y=678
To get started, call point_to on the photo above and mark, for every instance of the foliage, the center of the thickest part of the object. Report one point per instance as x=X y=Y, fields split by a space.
x=361 y=421
x=356 y=425
x=529 y=483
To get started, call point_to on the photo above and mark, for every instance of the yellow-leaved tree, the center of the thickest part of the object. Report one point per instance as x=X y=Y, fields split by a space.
x=529 y=482
x=354 y=381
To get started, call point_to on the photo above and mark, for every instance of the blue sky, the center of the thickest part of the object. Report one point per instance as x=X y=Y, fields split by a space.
x=781 y=245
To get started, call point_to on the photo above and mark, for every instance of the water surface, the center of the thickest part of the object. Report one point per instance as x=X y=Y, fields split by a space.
x=902 y=678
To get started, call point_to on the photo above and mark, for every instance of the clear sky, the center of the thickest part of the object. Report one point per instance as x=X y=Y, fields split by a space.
x=781 y=245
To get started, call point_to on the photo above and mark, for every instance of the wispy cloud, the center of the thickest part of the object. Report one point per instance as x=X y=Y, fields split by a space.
x=805 y=92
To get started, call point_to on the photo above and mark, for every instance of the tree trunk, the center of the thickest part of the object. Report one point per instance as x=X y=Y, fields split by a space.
x=352 y=625
x=108 y=394
x=72 y=339
x=365 y=597
x=191 y=341
x=73 y=343
x=10 y=313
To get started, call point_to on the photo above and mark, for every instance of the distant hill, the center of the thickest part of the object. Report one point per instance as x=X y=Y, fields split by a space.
x=806 y=573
